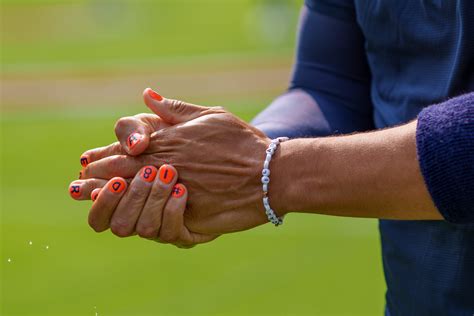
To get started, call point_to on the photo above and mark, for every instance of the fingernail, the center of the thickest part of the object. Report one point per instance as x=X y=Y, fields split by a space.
x=84 y=160
x=75 y=190
x=148 y=173
x=154 y=95
x=117 y=185
x=134 y=139
x=166 y=174
x=178 y=190
x=95 y=194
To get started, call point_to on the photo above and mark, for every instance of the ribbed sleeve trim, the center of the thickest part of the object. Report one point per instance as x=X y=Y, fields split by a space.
x=445 y=146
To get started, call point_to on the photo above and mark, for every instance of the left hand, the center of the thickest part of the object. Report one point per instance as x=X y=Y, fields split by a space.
x=152 y=206
x=219 y=158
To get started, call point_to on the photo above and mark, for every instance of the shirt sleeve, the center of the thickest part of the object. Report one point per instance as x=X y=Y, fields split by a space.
x=340 y=9
x=445 y=145
x=329 y=92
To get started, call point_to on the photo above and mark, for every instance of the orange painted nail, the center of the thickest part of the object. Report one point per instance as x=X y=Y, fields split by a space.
x=134 y=139
x=178 y=190
x=75 y=190
x=117 y=185
x=148 y=173
x=85 y=160
x=95 y=194
x=154 y=95
x=166 y=174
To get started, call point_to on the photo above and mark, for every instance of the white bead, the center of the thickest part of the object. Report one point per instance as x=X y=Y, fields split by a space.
x=266 y=164
x=272 y=217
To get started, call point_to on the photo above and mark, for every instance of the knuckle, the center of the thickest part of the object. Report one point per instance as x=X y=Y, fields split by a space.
x=120 y=227
x=123 y=123
x=137 y=192
x=97 y=227
x=147 y=232
x=178 y=106
x=169 y=237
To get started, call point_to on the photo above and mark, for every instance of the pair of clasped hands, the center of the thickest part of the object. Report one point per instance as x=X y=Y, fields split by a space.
x=183 y=175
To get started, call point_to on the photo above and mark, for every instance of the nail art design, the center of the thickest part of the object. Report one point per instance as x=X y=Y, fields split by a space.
x=134 y=139
x=117 y=185
x=154 y=95
x=166 y=174
x=84 y=160
x=178 y=190
x=75 y=190
x=148 y=173
x=95 y=194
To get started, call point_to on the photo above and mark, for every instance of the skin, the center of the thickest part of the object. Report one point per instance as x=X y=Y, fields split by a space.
x=146 y=208
x=220 y=158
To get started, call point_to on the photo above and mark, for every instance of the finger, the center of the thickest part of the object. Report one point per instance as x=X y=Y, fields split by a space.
x=119 y=165
x=95 y=194
x=81 y=189
x=149 y=221
x=130 y=206
x=173 y=230
x=95 y=154
x=133 y=132
x=105 y=204
x=172 y=111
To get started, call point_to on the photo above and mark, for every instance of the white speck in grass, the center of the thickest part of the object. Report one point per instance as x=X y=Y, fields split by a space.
x=47 y=247
x=9 y=260
x=30 y=243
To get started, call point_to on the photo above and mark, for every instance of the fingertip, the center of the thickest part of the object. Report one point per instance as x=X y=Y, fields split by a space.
x=179 y=191
x=149 y=92
x=85 y=160
x=75 y=190
x=117 y=185
x=167 y=173
x=95 y=194
x=153 y=101
x=148 y=173
x=137 y=143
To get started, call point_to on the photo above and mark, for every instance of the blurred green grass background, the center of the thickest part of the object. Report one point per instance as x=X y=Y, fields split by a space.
x=313 y=265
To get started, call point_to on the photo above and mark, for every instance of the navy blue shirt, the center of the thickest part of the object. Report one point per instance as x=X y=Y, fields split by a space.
x=371 y=63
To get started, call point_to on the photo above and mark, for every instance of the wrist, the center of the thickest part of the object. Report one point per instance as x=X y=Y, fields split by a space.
x=294 y=182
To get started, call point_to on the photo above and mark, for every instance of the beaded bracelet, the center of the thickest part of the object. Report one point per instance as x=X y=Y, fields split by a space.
x=275 y=220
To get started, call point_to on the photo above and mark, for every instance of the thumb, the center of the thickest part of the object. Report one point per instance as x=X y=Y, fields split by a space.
x=133 y=132
x=172 y=111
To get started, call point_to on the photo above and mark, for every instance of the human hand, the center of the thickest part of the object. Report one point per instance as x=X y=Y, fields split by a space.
x=219 y=157
x=152 y=206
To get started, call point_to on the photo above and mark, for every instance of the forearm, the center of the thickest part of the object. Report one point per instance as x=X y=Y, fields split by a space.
x=372 y=174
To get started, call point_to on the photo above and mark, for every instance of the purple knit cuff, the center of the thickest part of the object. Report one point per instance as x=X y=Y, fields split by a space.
x=445 y=145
